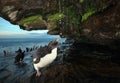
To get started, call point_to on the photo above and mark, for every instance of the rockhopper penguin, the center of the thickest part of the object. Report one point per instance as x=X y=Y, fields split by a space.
x=45 y=55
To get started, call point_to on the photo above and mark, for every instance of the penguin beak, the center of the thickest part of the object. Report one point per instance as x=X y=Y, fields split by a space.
x=57 y=40
x=54 y=43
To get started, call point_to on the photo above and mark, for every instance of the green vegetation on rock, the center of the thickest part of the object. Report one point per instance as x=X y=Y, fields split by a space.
x=71 y=15
x=62 y=16
x=54 y=18
x=117 y=35
x=30 y=19
x=87 y=14
x=81 y=1
x=31 y=22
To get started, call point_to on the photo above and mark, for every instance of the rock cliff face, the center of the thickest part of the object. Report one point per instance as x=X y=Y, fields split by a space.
x=27 y=13
x=103 y=26
x=95 y=21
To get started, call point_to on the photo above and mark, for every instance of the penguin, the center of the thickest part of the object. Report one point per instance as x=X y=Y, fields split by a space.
x=45 y=55
x=19 y=57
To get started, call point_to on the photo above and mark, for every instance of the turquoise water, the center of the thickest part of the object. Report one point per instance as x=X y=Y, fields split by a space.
x=13 y=44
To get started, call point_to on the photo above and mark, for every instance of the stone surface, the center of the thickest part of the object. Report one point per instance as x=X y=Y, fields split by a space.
x=84 y=63
x=101 y=26
x=16 y=10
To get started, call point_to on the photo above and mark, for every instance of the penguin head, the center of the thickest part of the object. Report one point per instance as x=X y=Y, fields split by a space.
x=36 y=59
x=44 y=50
x=53 y=44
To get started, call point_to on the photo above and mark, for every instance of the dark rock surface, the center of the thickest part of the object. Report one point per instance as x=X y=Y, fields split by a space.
x=15 y=10
x=84 y=63
x=103 y=26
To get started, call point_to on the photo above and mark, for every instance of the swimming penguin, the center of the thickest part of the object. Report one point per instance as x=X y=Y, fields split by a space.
x=45 y=55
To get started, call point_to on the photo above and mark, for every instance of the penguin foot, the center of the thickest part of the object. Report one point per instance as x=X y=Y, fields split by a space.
x=38 y=74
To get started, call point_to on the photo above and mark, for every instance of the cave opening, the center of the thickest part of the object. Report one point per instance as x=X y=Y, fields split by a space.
x=12 y=37
x=9 y=30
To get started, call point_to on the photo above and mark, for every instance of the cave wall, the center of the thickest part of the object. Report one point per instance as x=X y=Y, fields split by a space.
x=86 y=20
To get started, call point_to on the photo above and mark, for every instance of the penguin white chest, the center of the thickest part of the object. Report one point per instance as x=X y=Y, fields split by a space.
x=47 y=59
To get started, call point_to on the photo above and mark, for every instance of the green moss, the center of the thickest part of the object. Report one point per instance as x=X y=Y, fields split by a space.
x=72 y=17
x=89 y=7
x=81 y=1
x=54 y=18
x=117 y=35
x=87 y=14
x=29 y=19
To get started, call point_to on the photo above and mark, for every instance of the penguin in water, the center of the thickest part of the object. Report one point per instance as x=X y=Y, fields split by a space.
x=19 y=57
x=45 y=55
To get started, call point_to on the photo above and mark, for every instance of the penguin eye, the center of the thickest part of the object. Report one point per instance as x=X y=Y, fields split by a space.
x=37 y=59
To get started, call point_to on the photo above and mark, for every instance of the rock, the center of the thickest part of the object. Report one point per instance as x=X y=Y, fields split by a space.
x=16 y=10
x=53 y=32
x=81 y=66
x=103 y=27
x=69 y=41
x=91 y=21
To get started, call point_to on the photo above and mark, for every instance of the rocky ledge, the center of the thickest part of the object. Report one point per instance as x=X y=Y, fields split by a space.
x=77 y=63
x=83 y=63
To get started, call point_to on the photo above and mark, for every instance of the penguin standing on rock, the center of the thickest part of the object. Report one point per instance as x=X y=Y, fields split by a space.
x=45 y=55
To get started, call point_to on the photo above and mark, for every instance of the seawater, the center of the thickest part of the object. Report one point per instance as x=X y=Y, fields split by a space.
x=13 y=44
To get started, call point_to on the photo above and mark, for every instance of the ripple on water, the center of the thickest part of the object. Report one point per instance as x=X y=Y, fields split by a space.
x=4 y=73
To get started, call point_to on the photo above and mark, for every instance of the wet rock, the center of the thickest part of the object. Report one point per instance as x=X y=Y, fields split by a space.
x=81 y=66
x=69 y=41
x=80 y=63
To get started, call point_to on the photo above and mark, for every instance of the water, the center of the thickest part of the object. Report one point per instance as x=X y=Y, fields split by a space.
x=13 y=44
x=19 y=73
x=79 y=63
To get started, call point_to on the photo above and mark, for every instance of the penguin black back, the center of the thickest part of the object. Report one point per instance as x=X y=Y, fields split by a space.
x=42 y=51
x=19 y=57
